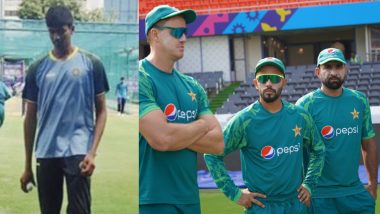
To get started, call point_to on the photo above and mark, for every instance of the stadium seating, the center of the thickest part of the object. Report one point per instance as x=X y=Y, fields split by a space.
x=301 y=80
x=210 y=81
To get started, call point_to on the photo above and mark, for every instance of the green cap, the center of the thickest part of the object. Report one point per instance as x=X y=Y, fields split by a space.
x=330 y=54
x=270 y=61
x=165 y=11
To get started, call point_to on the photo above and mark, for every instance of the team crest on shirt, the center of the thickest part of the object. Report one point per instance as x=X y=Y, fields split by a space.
x=355 y=114
x=297 y=131
x=192 y=95
x=75 y=72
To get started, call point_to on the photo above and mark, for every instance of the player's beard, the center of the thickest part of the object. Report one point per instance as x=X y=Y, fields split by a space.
x=270 y=98
x=334 y=82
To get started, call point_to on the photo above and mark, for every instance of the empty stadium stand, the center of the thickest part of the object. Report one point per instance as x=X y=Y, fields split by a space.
x=301 y=80
x=210 y=81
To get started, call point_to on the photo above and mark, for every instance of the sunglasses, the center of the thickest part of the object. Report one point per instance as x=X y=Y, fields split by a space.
x=176 y=32
x=274 y=78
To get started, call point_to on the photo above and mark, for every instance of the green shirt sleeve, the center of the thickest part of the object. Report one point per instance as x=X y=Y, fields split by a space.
x=367 y=130
x=147 y=100
x=315 y=153
x=234 y=139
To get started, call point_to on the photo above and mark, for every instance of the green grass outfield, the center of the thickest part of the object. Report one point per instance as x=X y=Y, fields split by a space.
x=114 y=183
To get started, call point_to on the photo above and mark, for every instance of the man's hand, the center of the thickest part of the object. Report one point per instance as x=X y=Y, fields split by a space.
x=304 y=195
x=372 y=189
x=27 y=177
x=87 y=166
x=248 y=198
